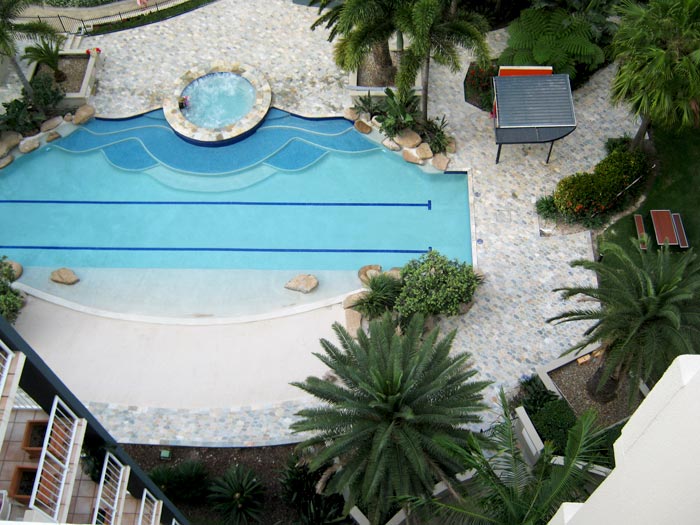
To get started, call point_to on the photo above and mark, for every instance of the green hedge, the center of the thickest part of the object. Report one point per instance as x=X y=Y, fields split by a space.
x=553 y=422
x=150 y=18
x=77 y=3
x=584 y=195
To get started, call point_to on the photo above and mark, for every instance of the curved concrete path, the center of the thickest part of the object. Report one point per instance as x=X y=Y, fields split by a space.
x=505 y=330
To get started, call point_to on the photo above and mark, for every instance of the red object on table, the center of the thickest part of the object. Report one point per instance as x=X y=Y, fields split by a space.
x=663 y=227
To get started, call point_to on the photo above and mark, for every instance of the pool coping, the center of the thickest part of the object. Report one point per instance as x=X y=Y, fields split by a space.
x=218 y=136
x=183 y=321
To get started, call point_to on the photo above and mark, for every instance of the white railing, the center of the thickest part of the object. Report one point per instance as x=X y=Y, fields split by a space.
x=23 y=401
x=54 y=461
x=6 y=356
x=174 y=522
x=149 y=512
x=110 y=495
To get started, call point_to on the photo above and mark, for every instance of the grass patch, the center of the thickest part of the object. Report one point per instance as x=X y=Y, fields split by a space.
x=148 y=18
x=678 y=162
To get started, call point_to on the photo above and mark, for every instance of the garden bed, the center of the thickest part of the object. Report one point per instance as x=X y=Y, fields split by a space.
x=73 y=66
x=267 y=463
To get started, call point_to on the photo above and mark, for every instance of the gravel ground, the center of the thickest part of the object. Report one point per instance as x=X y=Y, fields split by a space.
x=571 y=380
x=73 y=67
x=266 y=462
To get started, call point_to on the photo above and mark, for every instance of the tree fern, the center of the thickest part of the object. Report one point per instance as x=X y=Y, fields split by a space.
x=552 y=37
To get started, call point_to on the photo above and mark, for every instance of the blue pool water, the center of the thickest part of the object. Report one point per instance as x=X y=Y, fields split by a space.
x=218 y=99
x=297 y=194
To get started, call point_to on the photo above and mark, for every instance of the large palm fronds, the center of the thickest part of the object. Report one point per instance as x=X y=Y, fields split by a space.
x=505 y=490
x=11 y=31
x=647 y=313
x=397 y=399
x=658 y=47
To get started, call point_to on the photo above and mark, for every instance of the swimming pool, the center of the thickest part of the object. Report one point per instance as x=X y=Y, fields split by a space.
x=297 y=195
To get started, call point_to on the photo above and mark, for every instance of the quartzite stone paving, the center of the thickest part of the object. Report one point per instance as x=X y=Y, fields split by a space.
x=505 y=331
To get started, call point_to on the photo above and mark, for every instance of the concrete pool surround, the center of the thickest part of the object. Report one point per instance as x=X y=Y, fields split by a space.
x=227 y=134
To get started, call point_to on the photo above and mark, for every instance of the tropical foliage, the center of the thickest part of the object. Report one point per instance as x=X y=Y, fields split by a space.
x=658 y=48
x=437 y=29
x=398 y=402
x=47 y=51
x=381 y=296
x=505 y=490
x=648 y=313
x=434 y=285
x=596 y=12
x=186 y=482
x=238 y=496
x=399 y=111
x=10 y=300
x=552 y=37
x=11 y=32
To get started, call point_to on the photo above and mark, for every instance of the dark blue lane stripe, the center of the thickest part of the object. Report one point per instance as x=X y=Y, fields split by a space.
x=205 y=249
x=428 y=204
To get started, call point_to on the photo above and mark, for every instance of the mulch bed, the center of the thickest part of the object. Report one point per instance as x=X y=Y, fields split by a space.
x=267 y=463
x=571 y=380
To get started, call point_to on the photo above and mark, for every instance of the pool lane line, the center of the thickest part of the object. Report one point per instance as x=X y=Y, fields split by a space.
x=428 y=204
x=206 y=249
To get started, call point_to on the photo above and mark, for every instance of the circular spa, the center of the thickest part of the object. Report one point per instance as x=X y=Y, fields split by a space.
x=217 y=105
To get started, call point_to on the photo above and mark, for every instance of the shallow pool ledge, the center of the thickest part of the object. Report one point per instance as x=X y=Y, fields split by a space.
x=218 y=136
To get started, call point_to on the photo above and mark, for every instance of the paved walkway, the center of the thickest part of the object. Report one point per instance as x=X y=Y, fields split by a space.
x=505 y=330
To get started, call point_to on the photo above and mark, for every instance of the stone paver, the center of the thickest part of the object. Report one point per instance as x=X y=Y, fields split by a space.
x=505 y=331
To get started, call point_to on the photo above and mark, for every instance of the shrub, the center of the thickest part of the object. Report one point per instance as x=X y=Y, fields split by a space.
x=183 y=483
x=238 y=496
x=299 y=492
x=552 y=37
x=477 y=85
x=434 y=285
x=546 y=207
x=553 y=422
x=399 y=111
x=433 y=132
x=18 y=117
x=368 y=104
x=535 y=394
x=614 y=143
x=46 y=95
x=584 y=195
x=10 y=299
x=381 y=296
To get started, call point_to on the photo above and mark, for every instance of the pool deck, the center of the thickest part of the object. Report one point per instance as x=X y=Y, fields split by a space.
x=227 y=385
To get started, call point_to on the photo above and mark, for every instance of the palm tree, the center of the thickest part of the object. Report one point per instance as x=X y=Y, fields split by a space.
x=659 y=74
x=505 y=490
x=11 y=31
x=648 y=313
x=397 y=397
x=437 y=28
x=364 y=28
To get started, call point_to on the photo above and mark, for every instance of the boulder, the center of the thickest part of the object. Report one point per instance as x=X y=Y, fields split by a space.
x=407 y=138
x=17 y=269
x=29 y=144
x=451 y=146
x=50 y=124
x=362 y=273
x=83 y=114
x=362 y=126
x=395 y=273
x=352 y=299
x=390 y=145
x=351 y=114
x=6 y=161
x=64 y=276
x=8 y=140
x=68 y=117
x=375 y=122
x=353 y=321
x=409 y=155
x=303 y=283
x=424 y=152
x=53 y=135
x=440 y=161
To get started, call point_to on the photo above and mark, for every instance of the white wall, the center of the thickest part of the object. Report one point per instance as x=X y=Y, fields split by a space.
x=657 y=460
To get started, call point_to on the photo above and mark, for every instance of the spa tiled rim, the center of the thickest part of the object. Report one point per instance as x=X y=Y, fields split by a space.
x=194 y=133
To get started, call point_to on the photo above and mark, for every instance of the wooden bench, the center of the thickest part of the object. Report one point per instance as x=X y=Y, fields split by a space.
x=680 y=230
x=641 y=232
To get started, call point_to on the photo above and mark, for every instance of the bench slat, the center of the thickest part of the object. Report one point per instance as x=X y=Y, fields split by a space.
x=641 y=232
x=680 y=230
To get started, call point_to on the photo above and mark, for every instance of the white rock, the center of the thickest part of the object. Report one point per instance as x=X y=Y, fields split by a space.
x=303 y=283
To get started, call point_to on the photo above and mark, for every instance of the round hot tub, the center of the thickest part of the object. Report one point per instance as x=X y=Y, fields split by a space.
x=217 y=105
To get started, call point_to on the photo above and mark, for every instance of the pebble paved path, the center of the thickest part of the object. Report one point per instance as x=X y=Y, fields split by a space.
x=505 y=330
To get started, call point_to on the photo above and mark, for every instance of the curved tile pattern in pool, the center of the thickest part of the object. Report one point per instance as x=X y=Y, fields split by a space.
x=283 y=141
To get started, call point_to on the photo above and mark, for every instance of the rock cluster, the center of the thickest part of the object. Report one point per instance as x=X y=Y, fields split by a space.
x=408 y=142
x=9 y=140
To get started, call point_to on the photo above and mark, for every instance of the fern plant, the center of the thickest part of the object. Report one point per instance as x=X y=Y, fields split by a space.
x=552 y=37
x=368 y=104
x=381 y=297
